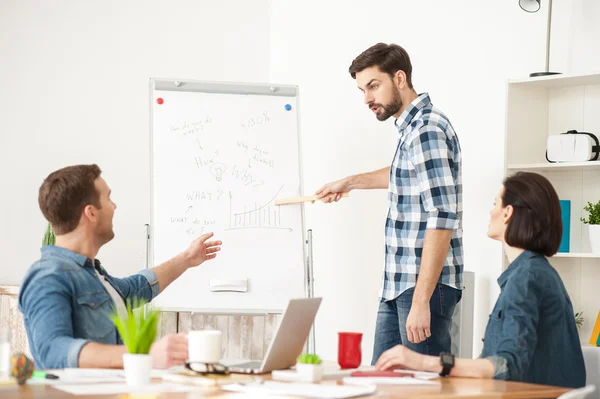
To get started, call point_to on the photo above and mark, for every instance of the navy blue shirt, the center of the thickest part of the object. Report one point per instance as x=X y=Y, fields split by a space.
x=531 y=335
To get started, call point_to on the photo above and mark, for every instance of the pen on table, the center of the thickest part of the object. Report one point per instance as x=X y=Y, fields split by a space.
x=44 y=375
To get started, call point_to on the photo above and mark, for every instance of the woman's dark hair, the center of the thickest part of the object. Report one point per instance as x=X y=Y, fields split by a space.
x=536 y=223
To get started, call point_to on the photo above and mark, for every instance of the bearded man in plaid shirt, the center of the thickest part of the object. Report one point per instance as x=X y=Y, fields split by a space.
x=422 y=279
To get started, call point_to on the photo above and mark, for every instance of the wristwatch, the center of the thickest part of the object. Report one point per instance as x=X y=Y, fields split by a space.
x=447 y=362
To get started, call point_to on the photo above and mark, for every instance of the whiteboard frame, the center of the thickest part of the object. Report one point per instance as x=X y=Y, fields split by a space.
x=187 y=85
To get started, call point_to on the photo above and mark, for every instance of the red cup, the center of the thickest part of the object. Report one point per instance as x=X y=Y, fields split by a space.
x=349 y=352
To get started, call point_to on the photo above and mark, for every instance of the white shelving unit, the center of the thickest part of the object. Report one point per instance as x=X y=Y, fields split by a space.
x=539 y=107
x=554 y=167
x=577 y=255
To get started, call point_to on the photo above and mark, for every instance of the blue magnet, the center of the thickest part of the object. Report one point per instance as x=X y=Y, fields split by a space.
x=288 y=107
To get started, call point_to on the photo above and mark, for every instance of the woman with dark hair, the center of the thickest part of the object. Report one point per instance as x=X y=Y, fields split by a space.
x=531 y=334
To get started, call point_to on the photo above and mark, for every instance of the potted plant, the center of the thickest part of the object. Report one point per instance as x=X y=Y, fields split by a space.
x=138 y=331
x=594 y=224
x=309 y=367
x=49 y=238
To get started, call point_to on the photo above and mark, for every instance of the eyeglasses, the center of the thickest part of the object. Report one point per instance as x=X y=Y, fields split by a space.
x=207 y=368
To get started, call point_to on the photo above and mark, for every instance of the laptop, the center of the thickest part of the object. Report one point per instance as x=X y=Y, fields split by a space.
x=288 y=341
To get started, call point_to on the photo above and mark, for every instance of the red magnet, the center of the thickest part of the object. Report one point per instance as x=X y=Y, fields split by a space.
x=159 y=101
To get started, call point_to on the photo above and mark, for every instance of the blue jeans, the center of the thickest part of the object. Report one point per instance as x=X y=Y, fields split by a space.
x=390 y=329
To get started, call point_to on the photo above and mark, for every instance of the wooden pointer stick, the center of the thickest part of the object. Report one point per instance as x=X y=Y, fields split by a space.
x=309 y=198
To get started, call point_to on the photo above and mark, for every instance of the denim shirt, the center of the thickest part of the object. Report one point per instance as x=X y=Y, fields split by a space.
x=531 y=335
x=65 y=305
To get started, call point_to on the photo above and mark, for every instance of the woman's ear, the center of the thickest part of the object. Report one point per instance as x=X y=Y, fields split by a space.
x=507 y=213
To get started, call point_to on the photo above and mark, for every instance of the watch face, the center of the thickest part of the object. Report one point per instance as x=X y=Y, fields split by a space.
x=446 y=358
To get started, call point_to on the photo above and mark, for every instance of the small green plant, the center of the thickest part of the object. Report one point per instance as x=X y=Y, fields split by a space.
x=309 y=358
x=594 y=211
x=49 y=237
x=137 y=328
x=579 y=319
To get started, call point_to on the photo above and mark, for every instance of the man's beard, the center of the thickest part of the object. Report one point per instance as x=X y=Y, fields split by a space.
x=390 y=109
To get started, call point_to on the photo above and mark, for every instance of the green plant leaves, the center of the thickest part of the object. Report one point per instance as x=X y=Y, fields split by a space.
x=309 y=358
x=579 y=319
x=137 y=328
x=594 y=211
x=49 y=237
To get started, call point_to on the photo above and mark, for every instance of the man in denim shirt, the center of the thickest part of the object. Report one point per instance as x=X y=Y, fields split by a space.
x=531 y=335
x=66 y=296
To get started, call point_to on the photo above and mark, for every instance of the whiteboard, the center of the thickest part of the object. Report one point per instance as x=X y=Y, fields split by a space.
x=221 y=154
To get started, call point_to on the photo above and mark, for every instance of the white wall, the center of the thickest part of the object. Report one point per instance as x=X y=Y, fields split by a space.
x=74 y=81
x=462 y=54
x=575 y=36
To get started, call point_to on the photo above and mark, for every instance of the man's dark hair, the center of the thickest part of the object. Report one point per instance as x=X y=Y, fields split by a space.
x=389 y=58
x=65 y=193
x=536 y=223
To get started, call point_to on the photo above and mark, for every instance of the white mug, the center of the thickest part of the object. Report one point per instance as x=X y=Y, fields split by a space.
x=204 y=346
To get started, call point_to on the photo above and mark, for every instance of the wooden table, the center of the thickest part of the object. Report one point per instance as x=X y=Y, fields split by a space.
x=449 y=388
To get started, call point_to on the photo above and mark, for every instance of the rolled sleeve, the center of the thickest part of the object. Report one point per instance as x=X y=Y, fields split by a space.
x=433 y=162
x=500 y=367
x=142 y=286
x=74 y=348
x=440 y=220
x=152 y=281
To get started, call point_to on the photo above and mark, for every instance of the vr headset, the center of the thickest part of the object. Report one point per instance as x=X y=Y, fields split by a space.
x=572 y=146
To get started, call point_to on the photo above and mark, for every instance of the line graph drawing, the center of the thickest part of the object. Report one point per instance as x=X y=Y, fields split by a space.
x=256 y=216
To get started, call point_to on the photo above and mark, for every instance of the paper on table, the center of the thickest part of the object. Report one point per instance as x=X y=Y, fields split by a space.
x=387 y=381
x=74 y=375
x=292 y=375
x=335 y=374
x=113 y=389
x=320 y=391
x=422 y=375
x=78 y=376
x=87 y=373
x=100 y=373
x=189 y=377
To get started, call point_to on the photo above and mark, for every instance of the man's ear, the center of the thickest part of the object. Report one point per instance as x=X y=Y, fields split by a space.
x=89 y=212
x=400 y=79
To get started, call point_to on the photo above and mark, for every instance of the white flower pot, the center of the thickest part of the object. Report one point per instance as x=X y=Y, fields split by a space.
x=594 y=233
x=309 y=372
x=137 y=369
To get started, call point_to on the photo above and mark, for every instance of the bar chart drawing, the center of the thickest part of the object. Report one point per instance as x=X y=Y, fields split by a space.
x=255 y=215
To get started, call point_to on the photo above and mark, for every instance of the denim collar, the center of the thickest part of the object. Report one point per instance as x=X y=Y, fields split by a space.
x=61 y=252
x=413 y=109
x=514 y=266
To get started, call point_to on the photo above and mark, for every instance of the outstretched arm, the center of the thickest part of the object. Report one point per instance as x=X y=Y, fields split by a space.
x=364 y=181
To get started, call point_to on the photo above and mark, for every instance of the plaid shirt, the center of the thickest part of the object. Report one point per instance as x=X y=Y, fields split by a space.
x=425 y=192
